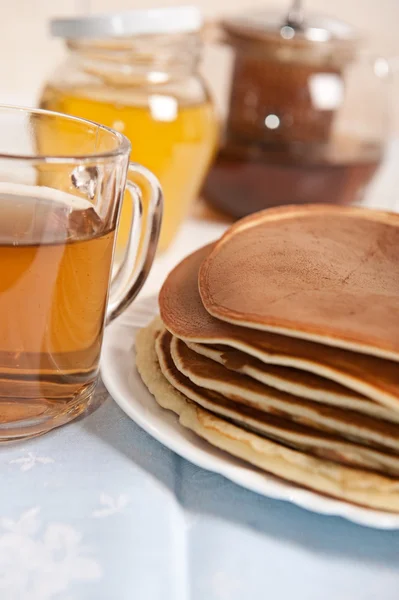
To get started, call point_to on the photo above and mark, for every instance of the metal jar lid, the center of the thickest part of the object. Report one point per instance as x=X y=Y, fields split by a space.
x=274 y=28
x=180 y=19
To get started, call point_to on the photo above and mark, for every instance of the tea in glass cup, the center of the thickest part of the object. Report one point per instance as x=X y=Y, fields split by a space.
x=58 y=223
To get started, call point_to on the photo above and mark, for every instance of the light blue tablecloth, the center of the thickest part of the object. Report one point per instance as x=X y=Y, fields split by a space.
x=98 y=510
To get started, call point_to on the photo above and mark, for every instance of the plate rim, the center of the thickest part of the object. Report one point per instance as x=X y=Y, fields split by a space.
x=138 y=316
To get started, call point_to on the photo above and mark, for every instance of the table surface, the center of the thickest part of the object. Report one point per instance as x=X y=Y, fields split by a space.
x=98 y=510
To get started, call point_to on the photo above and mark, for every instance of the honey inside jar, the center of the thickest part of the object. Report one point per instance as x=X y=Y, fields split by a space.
x=298 y=129
x=148 y=88
x=172 y=139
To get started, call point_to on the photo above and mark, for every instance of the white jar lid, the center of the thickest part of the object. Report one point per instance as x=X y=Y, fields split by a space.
x=179 y=19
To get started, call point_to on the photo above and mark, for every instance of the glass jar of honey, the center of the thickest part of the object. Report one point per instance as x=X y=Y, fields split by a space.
x=308 y=116
x=137 y=72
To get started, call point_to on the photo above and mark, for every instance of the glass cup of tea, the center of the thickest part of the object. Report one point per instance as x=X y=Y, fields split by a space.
x=58 y=288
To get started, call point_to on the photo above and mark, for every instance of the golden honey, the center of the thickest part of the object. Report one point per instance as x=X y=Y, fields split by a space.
x=173 y=138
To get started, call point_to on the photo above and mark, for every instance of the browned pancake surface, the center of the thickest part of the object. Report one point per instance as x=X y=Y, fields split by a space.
x=322 y=273
x=245 y=391
x=353 y=485
x=300 y=436
x=293 y=381
x=184 y=315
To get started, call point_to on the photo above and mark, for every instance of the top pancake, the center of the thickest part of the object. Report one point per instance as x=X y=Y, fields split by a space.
x=184 y=315
x=328 y=274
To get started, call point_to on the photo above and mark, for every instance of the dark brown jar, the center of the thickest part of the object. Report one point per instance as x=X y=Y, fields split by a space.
x=298 y=127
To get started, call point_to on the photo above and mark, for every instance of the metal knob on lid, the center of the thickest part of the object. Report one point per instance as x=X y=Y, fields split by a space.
x=295 y=16
x=318 y=33
x=280 y=58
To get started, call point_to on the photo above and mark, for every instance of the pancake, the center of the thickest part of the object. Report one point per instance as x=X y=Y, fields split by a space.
x=353 y=485
x=274 y=425
x=349 y=424
x=300 y=383
x=184 y=316
x=323 y=273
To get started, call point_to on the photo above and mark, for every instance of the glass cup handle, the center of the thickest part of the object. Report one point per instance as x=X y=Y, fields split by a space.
x=136 y=264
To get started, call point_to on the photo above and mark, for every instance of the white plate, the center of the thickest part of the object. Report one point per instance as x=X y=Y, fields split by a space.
x=124 y=384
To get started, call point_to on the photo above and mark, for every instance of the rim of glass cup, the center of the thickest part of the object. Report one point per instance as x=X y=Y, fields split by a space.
x=122 y=148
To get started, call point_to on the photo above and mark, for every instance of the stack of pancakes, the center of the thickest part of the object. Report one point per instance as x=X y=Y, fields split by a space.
x=280 y=344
